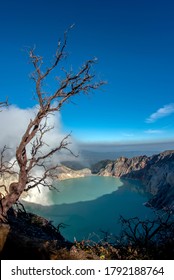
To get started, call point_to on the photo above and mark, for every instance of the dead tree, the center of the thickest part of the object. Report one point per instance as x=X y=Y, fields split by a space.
x=3 y=104
x=69 y=85
x=147 y=232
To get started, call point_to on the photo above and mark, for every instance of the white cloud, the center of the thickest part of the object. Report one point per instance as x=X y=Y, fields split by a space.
x=154 y=131
x=13 y=122
x=128 y=134
x=161 y=113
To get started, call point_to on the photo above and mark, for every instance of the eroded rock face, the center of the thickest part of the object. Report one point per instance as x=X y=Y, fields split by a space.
x=68 y=173
x=123 y=166
x=156 y=172
x=95 y=168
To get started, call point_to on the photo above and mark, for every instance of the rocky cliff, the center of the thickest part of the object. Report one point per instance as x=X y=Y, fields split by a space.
x=68 y=173
x=156 y=172
x=124 y=166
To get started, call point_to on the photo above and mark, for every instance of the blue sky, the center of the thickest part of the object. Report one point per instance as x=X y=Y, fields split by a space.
x=134 y=44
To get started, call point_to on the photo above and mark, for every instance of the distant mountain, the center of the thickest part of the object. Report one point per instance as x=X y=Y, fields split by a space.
x=156 y=172
x=87 y=158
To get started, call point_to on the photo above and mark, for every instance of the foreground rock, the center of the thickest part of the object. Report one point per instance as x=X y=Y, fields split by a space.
x=156 y=172
x=28 y=236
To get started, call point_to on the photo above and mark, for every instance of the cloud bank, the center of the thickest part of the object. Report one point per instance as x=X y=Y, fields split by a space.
x=165 y=111
x=13 y=122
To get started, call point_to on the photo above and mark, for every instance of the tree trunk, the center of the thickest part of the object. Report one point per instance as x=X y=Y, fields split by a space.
x=15 y=191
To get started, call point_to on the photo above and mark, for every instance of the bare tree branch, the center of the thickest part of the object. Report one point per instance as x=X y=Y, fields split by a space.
x=3 y=104
x=143 y=233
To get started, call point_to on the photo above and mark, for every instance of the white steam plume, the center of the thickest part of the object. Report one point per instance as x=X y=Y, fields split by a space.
x=13 y=123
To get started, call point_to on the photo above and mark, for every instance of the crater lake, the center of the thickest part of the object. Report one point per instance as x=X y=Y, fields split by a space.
x=89 y=206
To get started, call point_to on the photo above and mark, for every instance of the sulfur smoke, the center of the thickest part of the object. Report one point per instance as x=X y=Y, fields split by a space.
x=13 y=123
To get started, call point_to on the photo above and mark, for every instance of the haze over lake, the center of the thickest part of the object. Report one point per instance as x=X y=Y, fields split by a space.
x=92 y=204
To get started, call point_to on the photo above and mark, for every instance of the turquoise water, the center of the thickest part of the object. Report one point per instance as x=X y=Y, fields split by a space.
x=93 y=204
x=84 y=189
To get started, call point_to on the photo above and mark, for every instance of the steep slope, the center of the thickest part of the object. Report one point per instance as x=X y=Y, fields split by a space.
x=156 y=172
x=64 y=172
